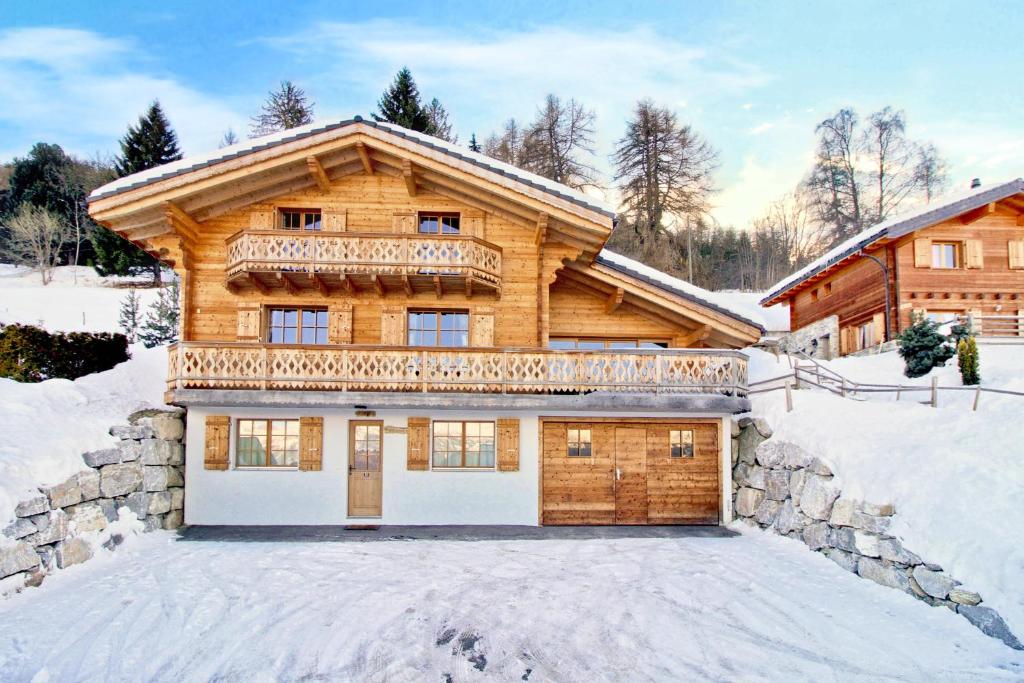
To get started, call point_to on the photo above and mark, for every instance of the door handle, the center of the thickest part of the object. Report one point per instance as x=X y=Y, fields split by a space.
x=618 y=474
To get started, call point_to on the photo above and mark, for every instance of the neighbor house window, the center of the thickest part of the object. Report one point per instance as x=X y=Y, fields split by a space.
x=593 y=344
x=866 y=335
x=814 y=295
x=300 y=219
x=267 y=443
x=680 y=443
x=297 y=326
x=945 y=255
x=438 y=328
x=828 y=288
x=942 y=317
x=439 y=223
x=463 y=444
x=578 y=443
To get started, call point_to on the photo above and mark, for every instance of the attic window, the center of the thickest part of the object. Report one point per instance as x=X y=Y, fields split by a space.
x=300 y=219
x=439 y=223
x=814 y=294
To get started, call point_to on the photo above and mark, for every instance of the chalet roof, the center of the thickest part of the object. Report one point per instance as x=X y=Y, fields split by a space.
x=193 y=163
x=947 y=207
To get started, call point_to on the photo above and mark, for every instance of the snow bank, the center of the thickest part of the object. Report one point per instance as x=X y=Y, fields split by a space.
x=955 y=476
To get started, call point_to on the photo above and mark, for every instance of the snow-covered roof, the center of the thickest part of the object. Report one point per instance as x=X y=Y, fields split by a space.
x=253 y=145
x=944 y=208
x=714 y=300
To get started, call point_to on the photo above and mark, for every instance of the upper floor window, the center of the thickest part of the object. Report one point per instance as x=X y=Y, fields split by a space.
x=945 y=255
x=300 y=219
x=814 y=294
x=439 y=223
x=828 y=288
x=597 y=344
x=297 y=326
x=438 y=328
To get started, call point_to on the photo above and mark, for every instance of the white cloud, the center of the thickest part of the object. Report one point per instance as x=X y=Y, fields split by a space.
x=762 y=128
x=756 y=185
x=747 y=105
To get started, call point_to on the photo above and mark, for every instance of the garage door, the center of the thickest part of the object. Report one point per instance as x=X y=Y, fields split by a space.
x=630 y=472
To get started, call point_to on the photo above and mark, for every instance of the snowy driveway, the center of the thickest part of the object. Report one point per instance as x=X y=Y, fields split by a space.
x=751 y=608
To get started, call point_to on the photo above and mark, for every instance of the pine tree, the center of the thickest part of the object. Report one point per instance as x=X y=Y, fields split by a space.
x=229 y=138
x=285 y=109
x=129 y=318
x=923 y=347
x=400 y=104
x=439 y=126
x=967 y=360
x=161 y=324
x=474 y=146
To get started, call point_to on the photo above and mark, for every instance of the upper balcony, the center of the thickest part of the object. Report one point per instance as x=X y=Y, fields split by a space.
x=291 y=260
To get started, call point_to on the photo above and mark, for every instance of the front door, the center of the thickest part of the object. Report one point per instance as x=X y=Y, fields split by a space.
x=364 y=468
x=631 y=475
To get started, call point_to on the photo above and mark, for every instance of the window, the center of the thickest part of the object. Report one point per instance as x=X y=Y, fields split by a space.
x=591 y=344
x=366 y=446
x=945 y=255
x=865 y=335
x=814 y=294
x=267 y=443
x=680 y=443
x=439 y=223
x=828 y=288
x=578 y=442
x=297 y=326
x=943 y=317
x=463 y=444
x=300 y=219
x=438 y=328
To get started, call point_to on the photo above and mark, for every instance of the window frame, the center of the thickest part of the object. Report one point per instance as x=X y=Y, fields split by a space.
x=438 y=313
x=462 y=457
x=814 y=296
x=579 y=429
x=440 y=216
x=303 y=212
x=865 y=330
x=682 y=452
x=268 y=446
x=827 y=289
x=958 y=254
x=607 y=343
x=299 y=310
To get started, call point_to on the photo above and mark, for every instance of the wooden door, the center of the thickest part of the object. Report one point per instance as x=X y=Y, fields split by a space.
x=631 y=475
x=365 y=440
x=578 y=489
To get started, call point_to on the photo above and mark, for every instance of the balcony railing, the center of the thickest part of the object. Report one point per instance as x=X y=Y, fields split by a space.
x=199 y=365
x=359 y=257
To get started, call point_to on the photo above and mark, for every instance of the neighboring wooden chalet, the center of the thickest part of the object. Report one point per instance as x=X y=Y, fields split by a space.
x=962 y=256
x=380 y=325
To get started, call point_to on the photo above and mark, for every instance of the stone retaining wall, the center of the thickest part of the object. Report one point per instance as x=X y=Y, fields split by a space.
x=144 y=472
x=780 y=487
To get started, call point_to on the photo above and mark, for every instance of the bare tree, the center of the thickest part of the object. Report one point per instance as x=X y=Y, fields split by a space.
x=35 y=238
x=509 y=145
x=558 y=140
x=833 y=184
x=285 y=109
x=229 y=138
x=930 y=171
x=439 y=125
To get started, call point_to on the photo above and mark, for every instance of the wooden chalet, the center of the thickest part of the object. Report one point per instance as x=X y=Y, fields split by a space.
x=958 y=258
x=378 y=325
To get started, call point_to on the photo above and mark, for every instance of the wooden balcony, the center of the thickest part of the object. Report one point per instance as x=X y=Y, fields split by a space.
x=267 y=260
x=201 y=365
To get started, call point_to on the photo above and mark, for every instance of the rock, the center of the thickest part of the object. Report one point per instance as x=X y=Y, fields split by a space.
x=734 y=428
x=35 y=579
x=153 y=523
x=878 y=510
x=174 y=519
x=816 y=535
x=159 y=503
x=32 y=506
x=819 y=467
x=749 y=439
x=138 y=503
x=935 y=584
x=817 y=497
x=740 y=474
x=46 y=553
x=89 y=484
x=175 y=478
x=139 y=415
x=131 y=432
x=41 y=522
x=842 y=512
x=866 y=543
x=842 y=538
x=883 y=575
x=63 y=494
x=109 y=508
x=107 y=456
x=964 y=597
x=178 y=455
x=17 y=557
x=990 y=623
x=167 y=427
x=73 y=551
x=119 y=480
x=56 y=529
x=177 y=499
x=762 y=427
x=797 y=479
x=755 y=478
x=130 y=450
x=20 y=528
x=767 y=511
x=771 y=453
x=157 y=452
x=747 y=501
x=790 y=519
x=776 y=484
x=892 y=550
x=847 y=561
x=878 y=525
x=154 y=478
x=795 y=458
x=87 y=517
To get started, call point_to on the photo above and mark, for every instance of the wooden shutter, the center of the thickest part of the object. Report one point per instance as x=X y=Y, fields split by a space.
x=311 y=443
x=392 y=326
x=340 y=323
x=403 y=222
x=878 y=323
x=418 y=448
x=922 y=252
x=334 y=220
x=974 y=254
x=481 y=324
x=508 y=444
x=847 y=341
x=261 y=217
x=1016 y=249
x=218 y=438
x=249 y=322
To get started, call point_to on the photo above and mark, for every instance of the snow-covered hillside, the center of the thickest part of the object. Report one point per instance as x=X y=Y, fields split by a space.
x=955 y=475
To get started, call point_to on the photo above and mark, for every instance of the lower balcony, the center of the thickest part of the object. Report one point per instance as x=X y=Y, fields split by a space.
x=250 y=366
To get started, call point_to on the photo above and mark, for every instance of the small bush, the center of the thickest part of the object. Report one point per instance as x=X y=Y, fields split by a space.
x=923 y=347
x=967 y=359
x=31 y=354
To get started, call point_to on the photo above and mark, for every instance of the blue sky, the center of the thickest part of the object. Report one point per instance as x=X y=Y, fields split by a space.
x=754 y=78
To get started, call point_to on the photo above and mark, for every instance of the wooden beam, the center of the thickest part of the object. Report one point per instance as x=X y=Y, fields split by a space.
x=541 y=233
x=186 y=225
x=407 y=285
x=286 y=282
x=231 y=285
x=698 y=335
x=1020 y=220
x=378 y=284
x=319 y=283
x=475 y=202
x=614 y=300
x=364 y=156
x=437 y=286
x=319 y=174
x=144 y=233
x=256 y=284
x=978 y=214
x=348 y=284
x=469 y=287
x=409 y=176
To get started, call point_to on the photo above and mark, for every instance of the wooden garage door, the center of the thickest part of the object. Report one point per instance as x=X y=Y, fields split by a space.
x=630 y=476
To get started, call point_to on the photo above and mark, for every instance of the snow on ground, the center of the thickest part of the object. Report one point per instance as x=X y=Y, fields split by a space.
x=775 y=318
x=78 y=300
x=754 y=608
x=955 y=476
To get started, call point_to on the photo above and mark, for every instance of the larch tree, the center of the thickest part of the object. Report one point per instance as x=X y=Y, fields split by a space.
x=474 y=146
x=284 y=109
x=439 y=126
x=833 y=183
x=400 y=104
x=559 y=140
x=509 y=145
x=931 y=171
x=229 y=138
